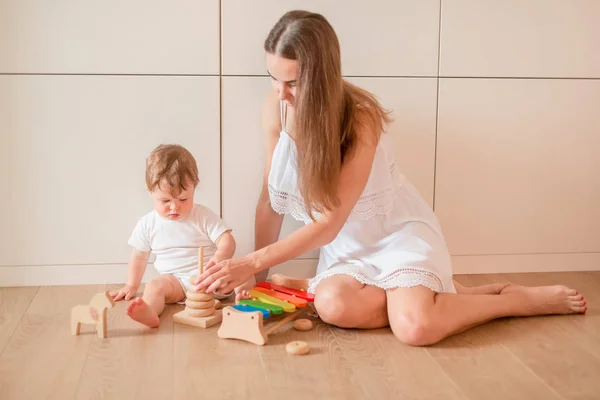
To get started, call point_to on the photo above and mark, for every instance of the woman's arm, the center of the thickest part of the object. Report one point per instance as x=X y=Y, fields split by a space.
x=267 y=222
x=353 y=179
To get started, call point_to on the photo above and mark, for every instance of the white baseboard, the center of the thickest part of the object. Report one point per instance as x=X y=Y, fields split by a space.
x=505 y=264
x=58 y=275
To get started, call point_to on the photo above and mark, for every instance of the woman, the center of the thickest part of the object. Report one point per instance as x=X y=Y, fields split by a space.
x=383 y=257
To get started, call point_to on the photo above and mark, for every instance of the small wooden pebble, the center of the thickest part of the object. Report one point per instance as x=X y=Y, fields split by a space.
x=303 y=324
x=297 y=348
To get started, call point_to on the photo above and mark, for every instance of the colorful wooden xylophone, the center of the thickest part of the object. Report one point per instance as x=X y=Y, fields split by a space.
x=244 y=321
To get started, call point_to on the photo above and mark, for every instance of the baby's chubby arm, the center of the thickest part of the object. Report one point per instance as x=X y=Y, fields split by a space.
x=226 y=246
x=137 y=265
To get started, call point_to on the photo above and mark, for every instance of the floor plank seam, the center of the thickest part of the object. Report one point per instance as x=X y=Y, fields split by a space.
x=532 y=372
x=264 y=369
x=335 y=339
x=593 y=353
x=87 y=357
x=452 y=382
x=20 y=321
x=173 y=382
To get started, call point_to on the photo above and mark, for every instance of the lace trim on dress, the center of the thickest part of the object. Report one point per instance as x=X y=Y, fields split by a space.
x=403 y=277
x=286 y=203
x=377 y=203
x=368 y=205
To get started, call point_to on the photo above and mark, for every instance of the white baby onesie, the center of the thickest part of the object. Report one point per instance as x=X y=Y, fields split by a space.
x=175 y=244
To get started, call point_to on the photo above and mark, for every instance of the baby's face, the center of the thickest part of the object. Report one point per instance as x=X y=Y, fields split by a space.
x=173 y=207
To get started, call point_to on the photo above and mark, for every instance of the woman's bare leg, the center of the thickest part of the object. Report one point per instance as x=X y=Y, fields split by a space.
x=420 y=317
x=343 y=301
x=492 y=288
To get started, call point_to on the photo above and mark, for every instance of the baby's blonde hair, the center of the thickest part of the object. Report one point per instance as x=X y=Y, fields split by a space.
x=173 y=165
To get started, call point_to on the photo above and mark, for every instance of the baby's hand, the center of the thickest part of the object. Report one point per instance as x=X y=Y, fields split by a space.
x=244 y=294
x=213 y=260
x=127 y=292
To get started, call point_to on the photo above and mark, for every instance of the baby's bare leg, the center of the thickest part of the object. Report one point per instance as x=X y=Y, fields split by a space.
x=158 y=292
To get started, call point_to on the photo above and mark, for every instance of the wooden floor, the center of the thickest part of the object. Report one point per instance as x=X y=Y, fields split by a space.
x=529 y=358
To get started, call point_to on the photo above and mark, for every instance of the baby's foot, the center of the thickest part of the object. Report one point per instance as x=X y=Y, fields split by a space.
x=543 y=300
x=244 y=294
x=139 y=311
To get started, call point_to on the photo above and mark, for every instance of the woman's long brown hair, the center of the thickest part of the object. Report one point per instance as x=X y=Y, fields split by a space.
x=328 y=110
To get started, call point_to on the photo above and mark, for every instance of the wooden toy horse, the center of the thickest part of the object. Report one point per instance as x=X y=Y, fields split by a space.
x=93 y=313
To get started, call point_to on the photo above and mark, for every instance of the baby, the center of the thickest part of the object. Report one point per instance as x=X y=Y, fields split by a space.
x=173 y=231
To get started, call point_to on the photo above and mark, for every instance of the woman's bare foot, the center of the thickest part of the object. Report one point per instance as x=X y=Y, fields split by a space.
x=544 y=300
x=139 y=311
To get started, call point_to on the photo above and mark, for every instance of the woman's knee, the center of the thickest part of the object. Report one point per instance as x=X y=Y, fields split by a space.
x=413 y=330
x=331 y=305
x=411 y=317
x=343 y=301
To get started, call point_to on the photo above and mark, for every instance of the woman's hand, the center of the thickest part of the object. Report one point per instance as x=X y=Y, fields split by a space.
x=213 y=260
x=225 y=275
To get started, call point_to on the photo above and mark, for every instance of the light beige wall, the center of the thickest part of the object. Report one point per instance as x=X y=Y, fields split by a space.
x=494 y=103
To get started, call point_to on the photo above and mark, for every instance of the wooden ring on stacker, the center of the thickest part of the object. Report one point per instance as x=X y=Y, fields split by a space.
x=205 y=312
x=200 y=305
x=198 y=296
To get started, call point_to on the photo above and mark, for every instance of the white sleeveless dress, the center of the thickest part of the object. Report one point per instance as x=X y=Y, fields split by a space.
x=392 y=237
